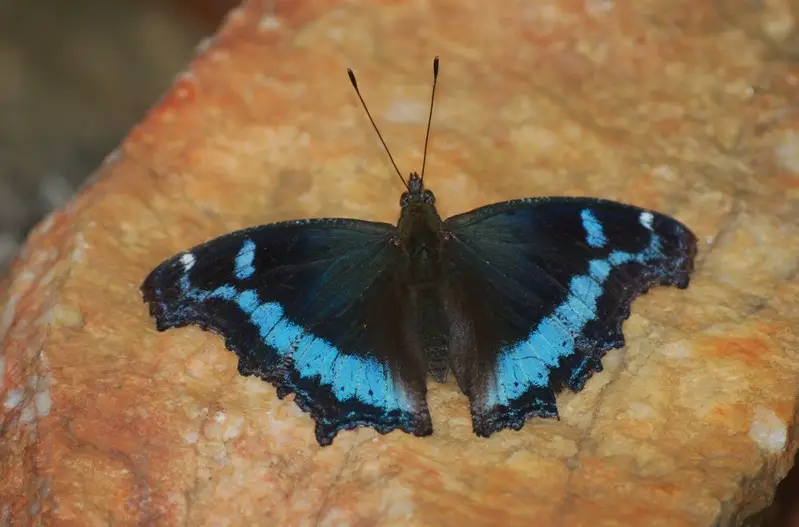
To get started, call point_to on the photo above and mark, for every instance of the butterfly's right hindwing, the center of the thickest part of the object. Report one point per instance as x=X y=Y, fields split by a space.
x=310 y=306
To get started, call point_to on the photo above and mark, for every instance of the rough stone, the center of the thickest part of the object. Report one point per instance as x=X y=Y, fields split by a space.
x=689 y=108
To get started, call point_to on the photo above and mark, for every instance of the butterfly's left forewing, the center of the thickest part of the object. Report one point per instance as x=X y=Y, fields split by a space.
x=310 y=306
x=538 y=290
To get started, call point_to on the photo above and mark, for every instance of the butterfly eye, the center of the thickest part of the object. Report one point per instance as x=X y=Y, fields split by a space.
x=429 y=197
x=404 y=199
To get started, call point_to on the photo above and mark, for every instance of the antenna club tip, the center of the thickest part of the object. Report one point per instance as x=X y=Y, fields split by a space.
x=351 y=74
x=435 y=67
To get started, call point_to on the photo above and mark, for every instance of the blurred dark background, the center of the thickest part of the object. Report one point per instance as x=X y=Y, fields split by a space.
x=76 y=75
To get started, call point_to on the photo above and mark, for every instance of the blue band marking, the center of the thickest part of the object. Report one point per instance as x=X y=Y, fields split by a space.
x=593 y=230
x=527 y=363
x=365 y=378
x=244 y=260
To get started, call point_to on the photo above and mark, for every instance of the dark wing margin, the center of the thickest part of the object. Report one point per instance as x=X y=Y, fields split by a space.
x=310 y=306
x=539 y=290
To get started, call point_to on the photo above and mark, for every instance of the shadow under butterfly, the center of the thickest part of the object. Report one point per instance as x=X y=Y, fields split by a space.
x=519 y=299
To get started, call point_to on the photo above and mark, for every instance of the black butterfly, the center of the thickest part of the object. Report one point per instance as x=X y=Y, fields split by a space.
x=519 y=300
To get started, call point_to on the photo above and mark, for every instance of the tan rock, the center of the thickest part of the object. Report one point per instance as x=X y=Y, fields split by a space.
x=668 y=105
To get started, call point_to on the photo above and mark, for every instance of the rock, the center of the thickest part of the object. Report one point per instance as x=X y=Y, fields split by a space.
x=671 y=106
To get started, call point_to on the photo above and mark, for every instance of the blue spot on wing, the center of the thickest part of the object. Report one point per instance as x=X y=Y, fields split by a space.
x=519 y=369
x=225 y=292
x=244 y=267
x=595 y=237
x=346 y=376
x=376 y=391
x=248 y=302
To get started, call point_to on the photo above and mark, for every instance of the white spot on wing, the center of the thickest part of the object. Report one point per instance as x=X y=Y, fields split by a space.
x=646 y=220
x=768 y=431
x=188 y=261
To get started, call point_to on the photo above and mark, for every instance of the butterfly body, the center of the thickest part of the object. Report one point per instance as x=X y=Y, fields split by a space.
x=518 y=300
x=422 y=273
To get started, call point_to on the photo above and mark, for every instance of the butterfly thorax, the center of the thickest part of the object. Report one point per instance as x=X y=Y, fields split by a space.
x=420 y=235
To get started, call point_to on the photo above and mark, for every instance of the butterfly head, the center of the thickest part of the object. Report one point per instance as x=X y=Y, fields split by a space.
x=416 y=192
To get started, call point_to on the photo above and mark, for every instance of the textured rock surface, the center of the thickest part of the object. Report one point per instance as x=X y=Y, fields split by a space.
x=687 y=107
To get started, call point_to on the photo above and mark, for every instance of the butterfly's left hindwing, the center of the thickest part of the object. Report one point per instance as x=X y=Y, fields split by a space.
x=310 y=306
x=538 y=290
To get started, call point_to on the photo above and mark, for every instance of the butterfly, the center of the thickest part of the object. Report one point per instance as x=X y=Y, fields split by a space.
x=518 y=300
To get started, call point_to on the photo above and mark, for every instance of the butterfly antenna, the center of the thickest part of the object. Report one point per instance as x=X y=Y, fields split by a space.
x=430 y=117
x=363 y=103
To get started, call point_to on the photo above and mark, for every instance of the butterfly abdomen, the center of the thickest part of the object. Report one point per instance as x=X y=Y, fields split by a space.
x=428 y=329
